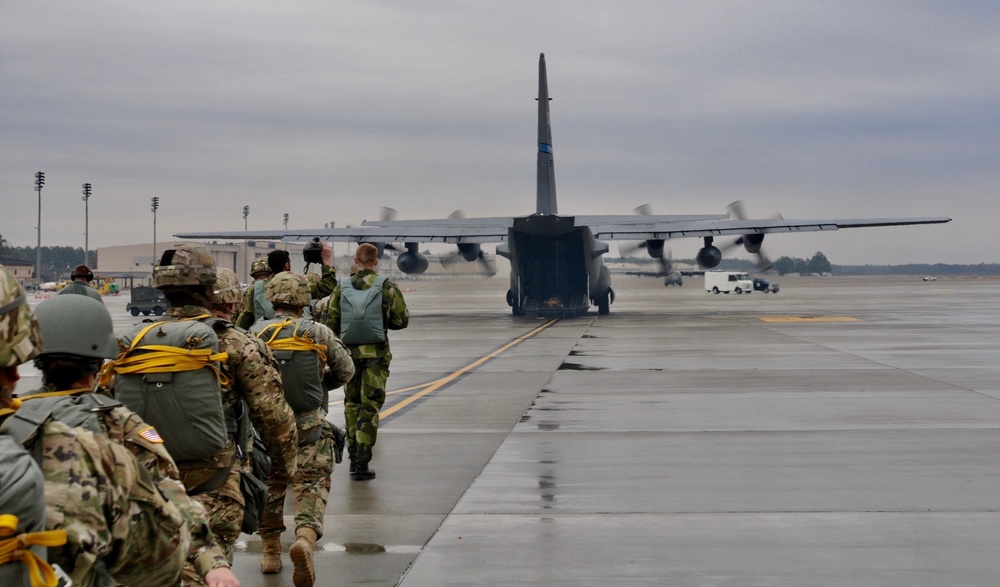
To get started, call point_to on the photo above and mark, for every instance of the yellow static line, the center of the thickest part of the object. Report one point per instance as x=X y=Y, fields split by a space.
x=438 y=383
x=815 y=319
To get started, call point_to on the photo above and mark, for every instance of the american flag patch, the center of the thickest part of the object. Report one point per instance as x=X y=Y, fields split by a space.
x=151 y=435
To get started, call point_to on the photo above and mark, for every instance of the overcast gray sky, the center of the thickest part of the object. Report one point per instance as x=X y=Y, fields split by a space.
x=327 y=111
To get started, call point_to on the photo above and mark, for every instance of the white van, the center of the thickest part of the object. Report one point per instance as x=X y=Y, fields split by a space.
x=728 y=281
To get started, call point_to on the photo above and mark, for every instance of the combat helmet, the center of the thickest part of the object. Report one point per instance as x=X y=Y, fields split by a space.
x=227 y=287
x=184 y=265
x=259 y=267
x=20 y=338
x=76 y=326
x=288 y=289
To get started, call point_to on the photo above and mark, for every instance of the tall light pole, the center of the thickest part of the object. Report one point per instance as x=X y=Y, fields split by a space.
x=246 y=245
x=154 y=204
x=39 y=182
x=86 y=224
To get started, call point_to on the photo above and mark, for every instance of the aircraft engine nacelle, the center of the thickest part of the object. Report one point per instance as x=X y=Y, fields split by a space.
x=412 y=261
x=709 y=256
x=752 y=242
x=655 y=248
x=469 y=251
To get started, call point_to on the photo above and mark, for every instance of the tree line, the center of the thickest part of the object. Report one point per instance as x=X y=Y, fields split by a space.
x=57 y=262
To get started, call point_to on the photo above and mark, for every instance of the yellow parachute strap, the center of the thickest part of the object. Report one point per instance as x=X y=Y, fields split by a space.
x=164 y=359
x=18 y=548
x=66 y=392
x=293 y=343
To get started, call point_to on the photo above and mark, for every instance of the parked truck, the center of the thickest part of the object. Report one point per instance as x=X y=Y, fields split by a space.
x=728 y=281
x=146 y=300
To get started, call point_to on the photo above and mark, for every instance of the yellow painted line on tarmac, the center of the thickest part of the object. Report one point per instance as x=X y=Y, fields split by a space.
x=791 y=319
x=441 y=382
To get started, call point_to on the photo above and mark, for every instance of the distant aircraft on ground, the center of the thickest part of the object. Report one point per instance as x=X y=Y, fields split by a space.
x=556 y=265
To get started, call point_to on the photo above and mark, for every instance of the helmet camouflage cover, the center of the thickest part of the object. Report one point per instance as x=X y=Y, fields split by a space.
x=20 y=337
x=184 y=265
x=289 y=289
x=259 y=267
x=227 y=287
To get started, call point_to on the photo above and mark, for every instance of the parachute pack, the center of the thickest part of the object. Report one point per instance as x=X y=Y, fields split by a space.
x=300 y=359
x=22 y=519
x=169 y=375
x=361 y=313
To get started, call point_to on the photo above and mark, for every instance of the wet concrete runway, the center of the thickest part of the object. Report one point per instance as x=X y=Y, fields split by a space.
x=840 y=432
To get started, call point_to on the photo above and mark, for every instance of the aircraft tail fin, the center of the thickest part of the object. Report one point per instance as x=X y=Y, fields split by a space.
x=546 y=194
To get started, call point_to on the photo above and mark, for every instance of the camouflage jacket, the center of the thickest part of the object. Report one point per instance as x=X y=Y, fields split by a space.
x=395 y=315
x=126 y=428
x=338 y=370
x=116 y=520
x=254 y=378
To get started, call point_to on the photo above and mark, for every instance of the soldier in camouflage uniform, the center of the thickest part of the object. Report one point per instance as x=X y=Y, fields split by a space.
x=278 y=261
x=116 y=522
x=22 y=484
x=187 y=276
x=289 y=293
x=364 y=394
x=78 y=335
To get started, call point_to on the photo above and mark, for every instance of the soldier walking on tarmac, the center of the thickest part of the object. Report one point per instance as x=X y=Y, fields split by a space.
x=367 y=306
x=225 y=369
x=313 y=361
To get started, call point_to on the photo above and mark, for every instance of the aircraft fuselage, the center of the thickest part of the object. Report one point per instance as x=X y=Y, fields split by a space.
x=556 y=267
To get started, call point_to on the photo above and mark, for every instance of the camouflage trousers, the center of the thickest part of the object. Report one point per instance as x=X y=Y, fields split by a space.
x=364 y=396
x=310 y=487
x=225 y=517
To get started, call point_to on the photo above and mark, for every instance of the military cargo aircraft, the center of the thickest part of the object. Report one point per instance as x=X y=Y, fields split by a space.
x=556 y=265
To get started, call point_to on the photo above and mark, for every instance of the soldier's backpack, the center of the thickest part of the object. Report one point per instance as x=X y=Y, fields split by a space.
x=22 y=519
x=361 y=313
x=300 y=359
x=262 y=308
x=169 y=375
x=80 y=408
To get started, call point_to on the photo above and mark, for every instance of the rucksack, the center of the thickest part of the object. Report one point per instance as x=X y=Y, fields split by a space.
x=361 y=313
x=262 y=308
x=300 y=359
x=169 y=375
x=77 y=408
x=22 y=517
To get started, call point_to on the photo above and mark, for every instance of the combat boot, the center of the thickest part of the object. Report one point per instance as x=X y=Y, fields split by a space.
x=362 y=472
x=270 y=562
x=301 y=552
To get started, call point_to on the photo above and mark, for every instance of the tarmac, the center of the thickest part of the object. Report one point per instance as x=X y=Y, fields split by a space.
x=844 y=431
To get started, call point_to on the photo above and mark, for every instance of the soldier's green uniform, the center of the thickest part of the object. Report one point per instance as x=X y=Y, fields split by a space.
x=80 y=288
x=76 y=328
x=117 y=522
x=364 y=394
x=289 y=293
x=252 y=378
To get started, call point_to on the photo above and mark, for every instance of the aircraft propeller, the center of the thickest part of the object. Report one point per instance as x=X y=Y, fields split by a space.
x=468 y=252
x=750 y=242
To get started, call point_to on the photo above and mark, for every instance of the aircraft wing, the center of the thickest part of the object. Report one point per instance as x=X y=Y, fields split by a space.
x=397 y=231
x=633 y=228
x=622 y=227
